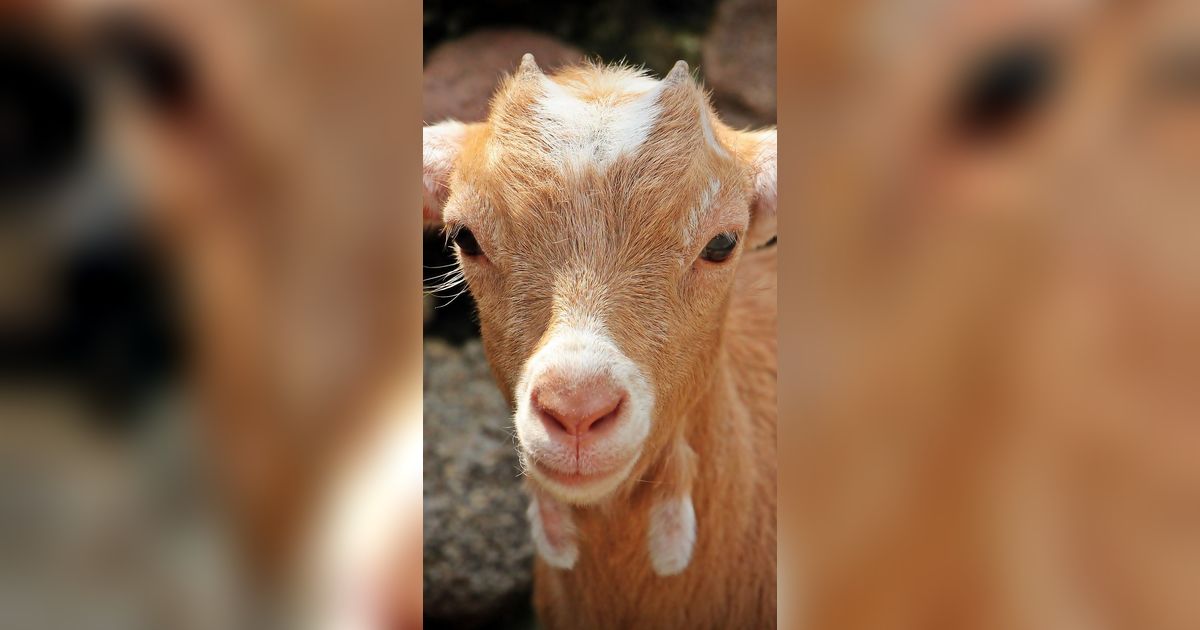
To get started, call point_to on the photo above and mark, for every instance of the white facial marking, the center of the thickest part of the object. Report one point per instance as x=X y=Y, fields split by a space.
x=553 y=532
x=578 y=354
x=583 y=132
x=709 y=136
x=707 y=197
x=671 y=535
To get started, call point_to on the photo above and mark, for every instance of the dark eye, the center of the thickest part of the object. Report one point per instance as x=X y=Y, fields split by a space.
x=466 y=243
x=1003 y=89
x=155 y=63
x=719 y=248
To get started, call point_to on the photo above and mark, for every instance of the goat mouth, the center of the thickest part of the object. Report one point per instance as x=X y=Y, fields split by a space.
x=573 y=478
x=580 y=487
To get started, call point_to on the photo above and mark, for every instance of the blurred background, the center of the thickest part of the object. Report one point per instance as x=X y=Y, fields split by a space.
x=104 y=516
x=990 y=412
x=478 y=551
x=207 y=329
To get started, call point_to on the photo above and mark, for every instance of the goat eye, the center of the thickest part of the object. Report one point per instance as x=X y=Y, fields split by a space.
x=466 y=243
x=719 y=248
x=1003 y=89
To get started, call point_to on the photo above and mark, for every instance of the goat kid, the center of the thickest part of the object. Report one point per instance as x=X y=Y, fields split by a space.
x=611 y=231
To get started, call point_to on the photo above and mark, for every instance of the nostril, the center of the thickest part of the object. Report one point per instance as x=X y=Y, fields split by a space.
x=603 y=418
x=549 y=416
x=577 y=408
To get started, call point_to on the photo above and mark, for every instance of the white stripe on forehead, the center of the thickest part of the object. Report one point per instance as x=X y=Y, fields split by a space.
x=581 y=132
x=709 y=136
x=707 y=197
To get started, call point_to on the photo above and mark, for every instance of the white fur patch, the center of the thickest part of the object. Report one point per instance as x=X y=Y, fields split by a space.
x=709 y=136
x=553 y=532
x=579 y=353
x=672 y=535
x=707 y=198
x=581 y=132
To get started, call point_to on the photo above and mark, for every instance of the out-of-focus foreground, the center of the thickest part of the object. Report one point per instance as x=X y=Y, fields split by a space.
x=211 y=415
x=993 y=246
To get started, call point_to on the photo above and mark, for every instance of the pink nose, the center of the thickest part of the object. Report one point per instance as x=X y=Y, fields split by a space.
x=576 y=407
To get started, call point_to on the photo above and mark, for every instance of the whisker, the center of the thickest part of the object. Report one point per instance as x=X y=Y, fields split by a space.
x=452 y=299
x=444 y=277
x=442 y=290
x=440 y=284
x=438 y=277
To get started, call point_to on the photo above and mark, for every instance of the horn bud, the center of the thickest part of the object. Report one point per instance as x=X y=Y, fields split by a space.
x=679 y=73
x=528 y=66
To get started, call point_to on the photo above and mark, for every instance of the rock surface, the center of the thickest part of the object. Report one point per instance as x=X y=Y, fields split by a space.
x=460 y=75
x=478 y=552
x=739 y=61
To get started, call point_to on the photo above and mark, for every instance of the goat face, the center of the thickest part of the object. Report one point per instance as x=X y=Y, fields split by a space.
x=598 y=217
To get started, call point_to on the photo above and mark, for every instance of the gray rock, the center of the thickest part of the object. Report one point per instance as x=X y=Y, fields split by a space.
x=478 y=552
x=460 y=75
x=739 y=61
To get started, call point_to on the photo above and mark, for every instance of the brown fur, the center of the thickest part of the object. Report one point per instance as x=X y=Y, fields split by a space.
x=731 y=580
x=562 y=244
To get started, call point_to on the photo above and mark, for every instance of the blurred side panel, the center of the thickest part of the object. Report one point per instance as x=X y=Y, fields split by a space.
x=989 y=367
x=211 y=293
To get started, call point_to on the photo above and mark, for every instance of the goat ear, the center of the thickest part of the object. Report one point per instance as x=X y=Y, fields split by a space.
x=441 y=147
x=760 y=151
